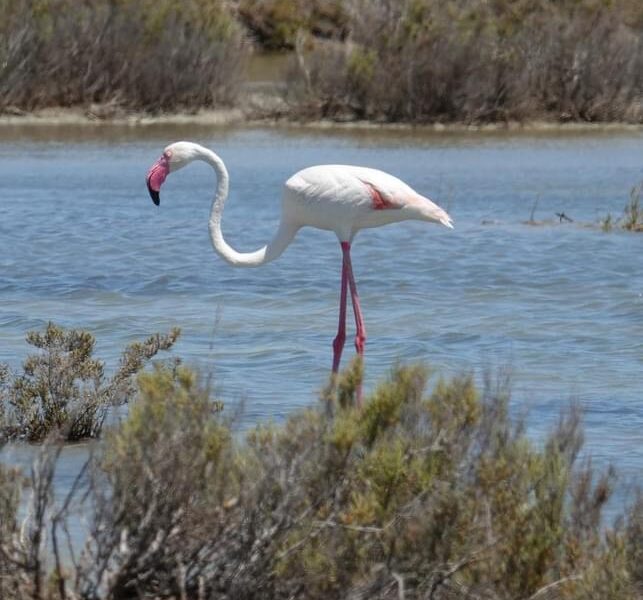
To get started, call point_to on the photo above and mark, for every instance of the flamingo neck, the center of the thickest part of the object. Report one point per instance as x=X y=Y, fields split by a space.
x=262 y=256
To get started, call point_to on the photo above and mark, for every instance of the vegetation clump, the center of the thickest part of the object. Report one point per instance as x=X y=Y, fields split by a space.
x=427 y=491
x=275 y=24
x=63 y=388
x=413 y=61
x=147 y=55
x=632 y=218
x=633 y=215
x=428 y=61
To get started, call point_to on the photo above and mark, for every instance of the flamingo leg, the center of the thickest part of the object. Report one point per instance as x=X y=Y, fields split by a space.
x=360 y=336
x=338 y=342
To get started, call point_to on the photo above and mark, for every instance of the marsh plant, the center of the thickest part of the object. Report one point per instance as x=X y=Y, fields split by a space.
x=430 y=490
x=62 y=388
x=632 y=217
x=632 y=214
x=607 y=223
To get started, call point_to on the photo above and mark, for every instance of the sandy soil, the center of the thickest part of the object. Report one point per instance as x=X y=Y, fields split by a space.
x=253 y=115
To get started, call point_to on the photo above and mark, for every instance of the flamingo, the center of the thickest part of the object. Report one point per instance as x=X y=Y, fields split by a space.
x=338 y=198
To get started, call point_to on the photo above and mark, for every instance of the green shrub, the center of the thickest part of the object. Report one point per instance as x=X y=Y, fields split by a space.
x=425 y=494
x=63 y=389
x=164 y=474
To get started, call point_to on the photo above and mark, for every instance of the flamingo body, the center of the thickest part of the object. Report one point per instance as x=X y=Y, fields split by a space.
x=339 y=198
x=345 y=199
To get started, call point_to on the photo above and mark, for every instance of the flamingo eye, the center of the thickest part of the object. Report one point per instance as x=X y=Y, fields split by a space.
x=167 y=154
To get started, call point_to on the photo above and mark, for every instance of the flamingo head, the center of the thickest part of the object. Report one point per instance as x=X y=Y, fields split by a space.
x=174 y=157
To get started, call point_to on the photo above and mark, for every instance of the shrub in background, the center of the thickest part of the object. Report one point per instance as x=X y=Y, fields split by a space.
x=423 y=60
x=147 y=55
x=275 y=24
x=63 y=389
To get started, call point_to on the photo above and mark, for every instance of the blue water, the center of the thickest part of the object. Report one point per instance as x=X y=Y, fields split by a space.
x=560 y=305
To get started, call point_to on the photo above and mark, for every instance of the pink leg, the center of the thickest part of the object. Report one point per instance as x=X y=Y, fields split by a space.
x=338 y=342
x=360 y=336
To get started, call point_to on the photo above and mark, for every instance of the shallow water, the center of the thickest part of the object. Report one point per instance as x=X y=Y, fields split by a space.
x=561 y=305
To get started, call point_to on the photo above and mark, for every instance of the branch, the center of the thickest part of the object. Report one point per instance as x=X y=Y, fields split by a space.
x=545 y=589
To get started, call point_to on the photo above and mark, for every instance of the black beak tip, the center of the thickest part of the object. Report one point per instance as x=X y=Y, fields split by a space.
x=156 y=197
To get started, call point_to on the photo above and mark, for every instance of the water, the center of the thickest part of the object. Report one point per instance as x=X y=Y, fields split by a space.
x=561 y=305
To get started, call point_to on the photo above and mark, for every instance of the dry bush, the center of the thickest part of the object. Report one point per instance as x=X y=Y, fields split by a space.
x=10 y=577
x=435 y=495
x=423 y=60
x=157 y=493
x=149 y=55
x=275 y=24
x=63 y=389
x=25 y=571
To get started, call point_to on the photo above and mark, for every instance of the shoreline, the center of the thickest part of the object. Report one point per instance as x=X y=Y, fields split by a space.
x=100 y=117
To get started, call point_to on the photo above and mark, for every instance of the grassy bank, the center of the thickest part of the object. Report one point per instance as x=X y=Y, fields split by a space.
x=430 y=490
x=412 y=61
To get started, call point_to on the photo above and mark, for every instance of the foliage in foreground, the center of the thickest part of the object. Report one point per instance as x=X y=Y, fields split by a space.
x=63 y=389
x=419 y=494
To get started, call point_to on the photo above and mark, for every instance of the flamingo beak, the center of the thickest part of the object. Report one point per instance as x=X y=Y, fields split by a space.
x=155 y=178
x=154 y=194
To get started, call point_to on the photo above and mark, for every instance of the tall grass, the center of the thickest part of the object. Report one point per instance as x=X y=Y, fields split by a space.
x=148 y=55
x=632 y=214
x=430 y=490
x=632 y=218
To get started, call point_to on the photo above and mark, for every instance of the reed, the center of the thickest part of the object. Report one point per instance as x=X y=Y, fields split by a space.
x=632 y=214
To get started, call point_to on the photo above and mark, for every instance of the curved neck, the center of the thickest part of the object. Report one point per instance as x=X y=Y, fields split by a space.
x=277 y=245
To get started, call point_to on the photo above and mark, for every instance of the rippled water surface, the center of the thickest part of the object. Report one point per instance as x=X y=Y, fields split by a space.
x=561 y=305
